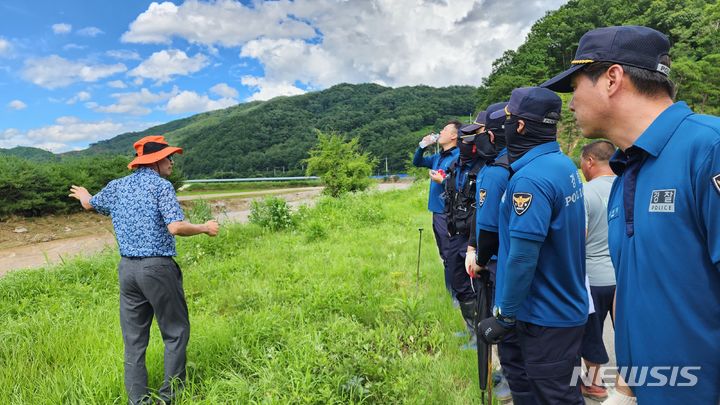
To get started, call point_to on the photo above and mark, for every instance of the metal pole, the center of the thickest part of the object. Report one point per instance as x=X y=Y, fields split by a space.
x=417 y=275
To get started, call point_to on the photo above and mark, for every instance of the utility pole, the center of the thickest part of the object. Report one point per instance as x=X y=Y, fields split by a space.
x=386 y=167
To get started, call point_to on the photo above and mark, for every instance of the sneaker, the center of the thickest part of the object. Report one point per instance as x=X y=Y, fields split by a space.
x=593 y=391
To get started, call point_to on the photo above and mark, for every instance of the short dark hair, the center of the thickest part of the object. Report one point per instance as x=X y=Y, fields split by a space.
x=599 y=150
x=457 y=124
x=647 y=82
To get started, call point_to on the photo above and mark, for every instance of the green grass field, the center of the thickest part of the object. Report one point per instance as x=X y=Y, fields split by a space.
x=328 y=312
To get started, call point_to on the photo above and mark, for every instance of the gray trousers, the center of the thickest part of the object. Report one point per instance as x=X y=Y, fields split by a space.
x=148 y=286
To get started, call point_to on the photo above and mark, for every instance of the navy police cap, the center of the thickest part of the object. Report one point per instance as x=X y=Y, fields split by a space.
x=496 y=122
x=532 y=103
x=641 y=47
x=479 y=122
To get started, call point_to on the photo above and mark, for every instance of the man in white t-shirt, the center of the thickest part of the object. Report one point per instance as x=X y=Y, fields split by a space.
x=594 y=163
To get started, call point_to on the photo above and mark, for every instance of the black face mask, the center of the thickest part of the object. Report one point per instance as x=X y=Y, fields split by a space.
x=485 y=148
x=535 y=134
x=499 y=139
x=467 y=151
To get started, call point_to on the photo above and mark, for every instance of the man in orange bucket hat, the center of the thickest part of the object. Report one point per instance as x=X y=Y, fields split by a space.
x=147 y=216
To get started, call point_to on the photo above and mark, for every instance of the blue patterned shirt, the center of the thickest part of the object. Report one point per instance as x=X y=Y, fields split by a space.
x=141 y=206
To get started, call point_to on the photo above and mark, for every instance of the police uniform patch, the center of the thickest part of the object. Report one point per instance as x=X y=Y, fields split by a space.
x=481 y=197
x=662 y=200
x=716 y=182
x=521 y=202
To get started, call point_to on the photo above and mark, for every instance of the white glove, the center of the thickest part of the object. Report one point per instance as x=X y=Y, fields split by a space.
x=617 y=398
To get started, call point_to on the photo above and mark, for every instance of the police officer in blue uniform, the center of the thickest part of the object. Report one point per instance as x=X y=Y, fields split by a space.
x=542 y=252
x=491 y=184
x=663 y=222
x=484 y=243
x=460 y=186
x=439 y=163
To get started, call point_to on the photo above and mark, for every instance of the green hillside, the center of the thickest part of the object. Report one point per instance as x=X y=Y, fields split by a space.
x=260 y=138
x=34 y=154
x=692 y=25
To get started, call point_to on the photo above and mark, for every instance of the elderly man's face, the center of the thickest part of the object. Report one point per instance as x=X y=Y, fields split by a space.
x=165 y=167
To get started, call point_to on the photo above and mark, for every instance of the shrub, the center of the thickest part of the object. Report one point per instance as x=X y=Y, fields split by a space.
x=272 y=213
x=340 y=164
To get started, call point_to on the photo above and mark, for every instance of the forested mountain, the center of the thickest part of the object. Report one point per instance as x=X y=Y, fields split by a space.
x=34 y=154
x=263 y=138
x=692 y=25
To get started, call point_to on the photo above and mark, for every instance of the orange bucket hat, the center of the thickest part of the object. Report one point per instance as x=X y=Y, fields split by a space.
x=151 y=149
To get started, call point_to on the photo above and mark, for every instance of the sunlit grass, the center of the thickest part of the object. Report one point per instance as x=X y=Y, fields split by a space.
x=327 y=312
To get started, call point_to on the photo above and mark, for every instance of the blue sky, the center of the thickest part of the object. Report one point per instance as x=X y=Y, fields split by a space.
x=76 y=72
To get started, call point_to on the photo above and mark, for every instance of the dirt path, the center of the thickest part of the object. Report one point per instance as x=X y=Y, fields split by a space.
x=241 y=194
x=30 y=243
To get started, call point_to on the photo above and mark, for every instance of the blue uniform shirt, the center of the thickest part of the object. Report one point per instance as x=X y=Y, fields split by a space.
x=141 y=206
x=668 y=282
x=436 y=161
x=544 y=202
x=491 y=185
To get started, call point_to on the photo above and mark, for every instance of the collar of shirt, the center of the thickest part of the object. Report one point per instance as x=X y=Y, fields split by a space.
x=654 y=138
x=444 y=153
x=544 y=149
x=145 y=171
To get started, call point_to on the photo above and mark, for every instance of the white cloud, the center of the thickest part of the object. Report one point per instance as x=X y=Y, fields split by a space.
x=53 y=71
x=191 y=102
x=323 y=42
x=267 y=90
x=5 y=46
x=81 y=96
x=90 y=31
x=17 y=105
x=123 y=54
x=134 y=103
x=71 y=129
x=222 y=22
x=68 y=133
x=9 y=133
x=117 y=84
x=312 y=64
x=61 y=28
x=223 y=90
x=161 y=66
x=72 y=46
